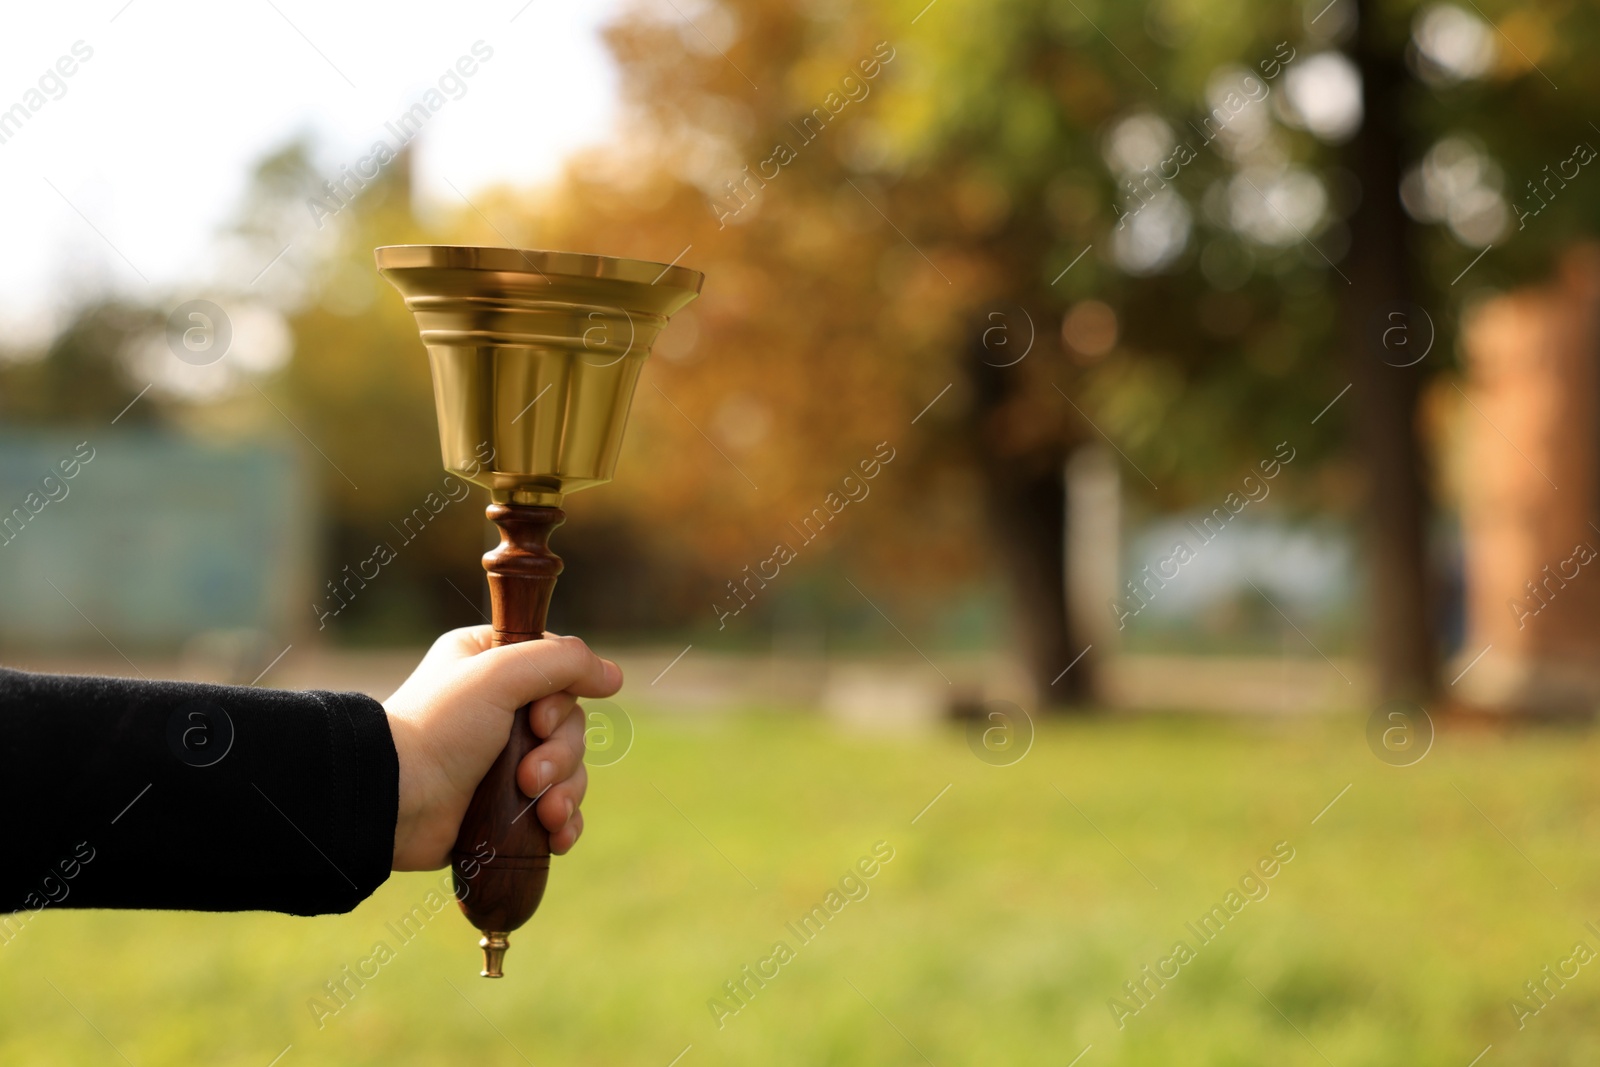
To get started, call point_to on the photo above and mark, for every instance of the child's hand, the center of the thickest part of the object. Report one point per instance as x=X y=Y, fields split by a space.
x=453 y=715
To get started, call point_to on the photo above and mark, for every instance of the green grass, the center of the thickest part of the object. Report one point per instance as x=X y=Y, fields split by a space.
x=1006 y=920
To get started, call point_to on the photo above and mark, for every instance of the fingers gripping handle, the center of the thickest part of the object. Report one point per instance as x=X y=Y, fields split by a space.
x=502 y=853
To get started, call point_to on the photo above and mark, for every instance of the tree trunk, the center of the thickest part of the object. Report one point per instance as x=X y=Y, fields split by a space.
x=1025 y=507
x=1379 y=270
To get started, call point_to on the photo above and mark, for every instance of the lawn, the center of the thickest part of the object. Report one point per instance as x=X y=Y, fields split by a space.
x=1012 y=911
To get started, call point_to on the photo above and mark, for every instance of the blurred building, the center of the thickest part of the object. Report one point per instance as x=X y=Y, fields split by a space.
x=149 y=542
x=1529 y=494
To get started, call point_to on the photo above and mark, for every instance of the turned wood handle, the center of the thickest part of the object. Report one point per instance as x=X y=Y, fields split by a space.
x=502 y=852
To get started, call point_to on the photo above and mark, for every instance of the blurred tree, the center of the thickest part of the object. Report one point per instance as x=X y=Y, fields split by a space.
x=1383 y=281
x=1450 y=101
x=79 y=377
x=940 y=192
x=1206 y=197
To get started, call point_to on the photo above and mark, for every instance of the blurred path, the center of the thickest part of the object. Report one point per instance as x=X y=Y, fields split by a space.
x=883 y=692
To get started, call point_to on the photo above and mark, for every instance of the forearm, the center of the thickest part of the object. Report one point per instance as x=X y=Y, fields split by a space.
x=134 y=794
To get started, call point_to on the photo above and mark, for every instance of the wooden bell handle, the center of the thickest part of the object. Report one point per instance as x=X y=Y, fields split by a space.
x=501 y=857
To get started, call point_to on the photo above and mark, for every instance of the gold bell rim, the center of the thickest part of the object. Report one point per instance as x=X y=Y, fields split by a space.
x=538 y=261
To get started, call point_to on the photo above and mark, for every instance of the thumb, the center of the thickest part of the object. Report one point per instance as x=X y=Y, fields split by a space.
x=513 y=675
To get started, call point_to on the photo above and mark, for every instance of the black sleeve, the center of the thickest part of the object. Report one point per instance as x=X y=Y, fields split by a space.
x=137 y=794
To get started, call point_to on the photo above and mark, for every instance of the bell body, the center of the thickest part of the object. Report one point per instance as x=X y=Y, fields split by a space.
x=535 y=357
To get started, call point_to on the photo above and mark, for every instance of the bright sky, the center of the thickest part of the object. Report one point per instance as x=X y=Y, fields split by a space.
x=150 y=141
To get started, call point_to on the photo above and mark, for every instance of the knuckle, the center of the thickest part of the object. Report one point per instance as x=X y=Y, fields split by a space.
x=577 y=647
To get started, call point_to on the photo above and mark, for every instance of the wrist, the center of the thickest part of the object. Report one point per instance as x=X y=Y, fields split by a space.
x=409 y=805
